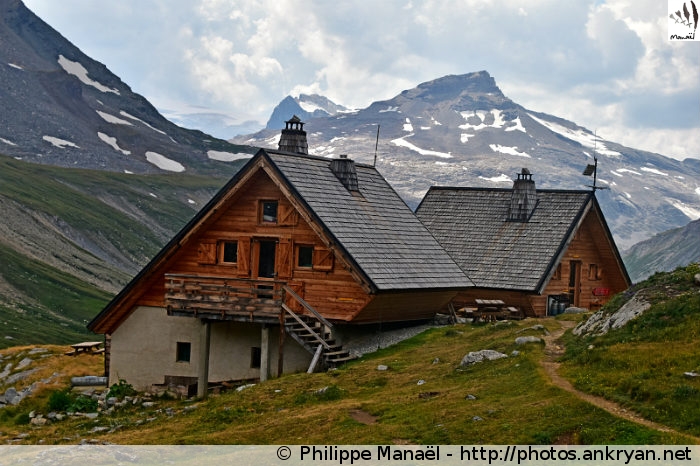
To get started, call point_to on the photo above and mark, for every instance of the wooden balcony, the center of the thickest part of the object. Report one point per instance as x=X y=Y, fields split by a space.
x=224 y=298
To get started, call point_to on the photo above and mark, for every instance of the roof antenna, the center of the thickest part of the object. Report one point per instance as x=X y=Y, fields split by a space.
x=375 y=146
x=593 y=169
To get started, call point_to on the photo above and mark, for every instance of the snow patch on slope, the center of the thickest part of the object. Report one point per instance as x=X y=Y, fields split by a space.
x=690 y=212
x=60 y=143
x=112 y=119
x=518 y=126
x=112 y=142
x=79 y=71
x=401 y=142
x=164 y=163
x=508 y=150
x=625 y=170
x=123 y=113
x=481 y=116
x=479 y=120
x=584 y=138
x=227 y=156
x=654 y=171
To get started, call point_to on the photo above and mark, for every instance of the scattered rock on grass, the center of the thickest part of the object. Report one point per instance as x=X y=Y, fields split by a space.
x=527 y=339
x=479 y=356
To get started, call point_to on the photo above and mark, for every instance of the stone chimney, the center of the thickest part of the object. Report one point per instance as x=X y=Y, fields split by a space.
x=293 y=137
x=344 y=170
x=523 y=199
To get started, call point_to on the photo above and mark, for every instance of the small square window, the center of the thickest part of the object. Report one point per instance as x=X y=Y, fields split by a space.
x=557 y=273
x=593 y=272
x=269 y=211
x=255 y=357
x=305 y=256
x=183 y=351
x=229 y=253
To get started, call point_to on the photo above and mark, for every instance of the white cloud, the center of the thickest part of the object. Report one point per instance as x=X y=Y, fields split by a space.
x=604 y=65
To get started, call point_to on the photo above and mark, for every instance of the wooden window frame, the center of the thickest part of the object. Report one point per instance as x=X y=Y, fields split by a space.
x=593 y=272
x=261 y=212
x=222 y=251
x=297 y=257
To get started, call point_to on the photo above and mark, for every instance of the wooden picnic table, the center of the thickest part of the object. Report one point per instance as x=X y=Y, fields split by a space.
x=90 y=347
x=488 y=309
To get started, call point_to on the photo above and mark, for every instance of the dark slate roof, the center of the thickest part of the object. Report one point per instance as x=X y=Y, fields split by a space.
x=471 y=225
x=374 y=226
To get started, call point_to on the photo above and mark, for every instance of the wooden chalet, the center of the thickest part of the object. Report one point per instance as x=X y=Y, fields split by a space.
x=293 y=257
x=539 y=250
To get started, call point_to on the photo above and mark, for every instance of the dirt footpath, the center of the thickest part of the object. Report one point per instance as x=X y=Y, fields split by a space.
x=553 y=351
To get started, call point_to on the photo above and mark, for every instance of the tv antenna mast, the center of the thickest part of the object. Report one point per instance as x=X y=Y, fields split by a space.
x=376 y=145
x=592 y=169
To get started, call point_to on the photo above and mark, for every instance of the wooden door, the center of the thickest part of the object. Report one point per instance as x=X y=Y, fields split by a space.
x=574 y=283
x=266 y=251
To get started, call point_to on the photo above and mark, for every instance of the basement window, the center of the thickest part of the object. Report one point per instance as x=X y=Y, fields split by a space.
x=183 y=351
x=269 y=212
x=255 y=357
x=229 y=252
x=305 y=256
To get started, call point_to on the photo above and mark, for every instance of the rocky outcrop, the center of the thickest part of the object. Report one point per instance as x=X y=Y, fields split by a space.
x=602 y=321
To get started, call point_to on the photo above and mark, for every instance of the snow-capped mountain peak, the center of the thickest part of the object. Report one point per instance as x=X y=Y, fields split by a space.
x=461 y=130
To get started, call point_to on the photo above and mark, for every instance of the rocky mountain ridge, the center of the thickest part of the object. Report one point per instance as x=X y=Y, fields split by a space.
x=664 y=252
x=305 y=107
x=462 y=130
x=61 y=107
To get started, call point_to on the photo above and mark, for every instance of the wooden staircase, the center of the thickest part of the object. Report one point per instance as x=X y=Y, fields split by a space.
x=314 y=333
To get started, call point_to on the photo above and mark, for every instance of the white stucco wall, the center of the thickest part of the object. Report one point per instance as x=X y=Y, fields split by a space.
x=144 y=348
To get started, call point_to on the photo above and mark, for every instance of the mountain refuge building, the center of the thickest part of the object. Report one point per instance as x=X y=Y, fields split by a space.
x=293 y=258
x=540 y=250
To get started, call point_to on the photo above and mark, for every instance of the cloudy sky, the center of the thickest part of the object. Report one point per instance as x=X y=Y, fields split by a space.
x=606 y=65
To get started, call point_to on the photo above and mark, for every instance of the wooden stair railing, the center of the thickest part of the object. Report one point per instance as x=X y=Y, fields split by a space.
x=314 y=333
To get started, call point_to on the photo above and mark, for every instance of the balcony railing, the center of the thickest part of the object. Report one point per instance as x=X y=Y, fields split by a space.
x=223 y=298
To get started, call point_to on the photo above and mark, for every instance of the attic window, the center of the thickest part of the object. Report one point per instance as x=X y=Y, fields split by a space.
x=269 y=211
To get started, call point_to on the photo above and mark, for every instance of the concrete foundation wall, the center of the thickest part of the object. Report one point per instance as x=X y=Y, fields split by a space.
x=144 y=349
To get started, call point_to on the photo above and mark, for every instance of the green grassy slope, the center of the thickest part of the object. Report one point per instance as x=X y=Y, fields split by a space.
x=71 y=238
x=512 y=402
x=643 y=364
x=58 y=307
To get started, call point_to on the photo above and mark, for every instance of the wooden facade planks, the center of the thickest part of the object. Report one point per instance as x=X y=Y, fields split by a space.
x=327 y=285
x=355 y=244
